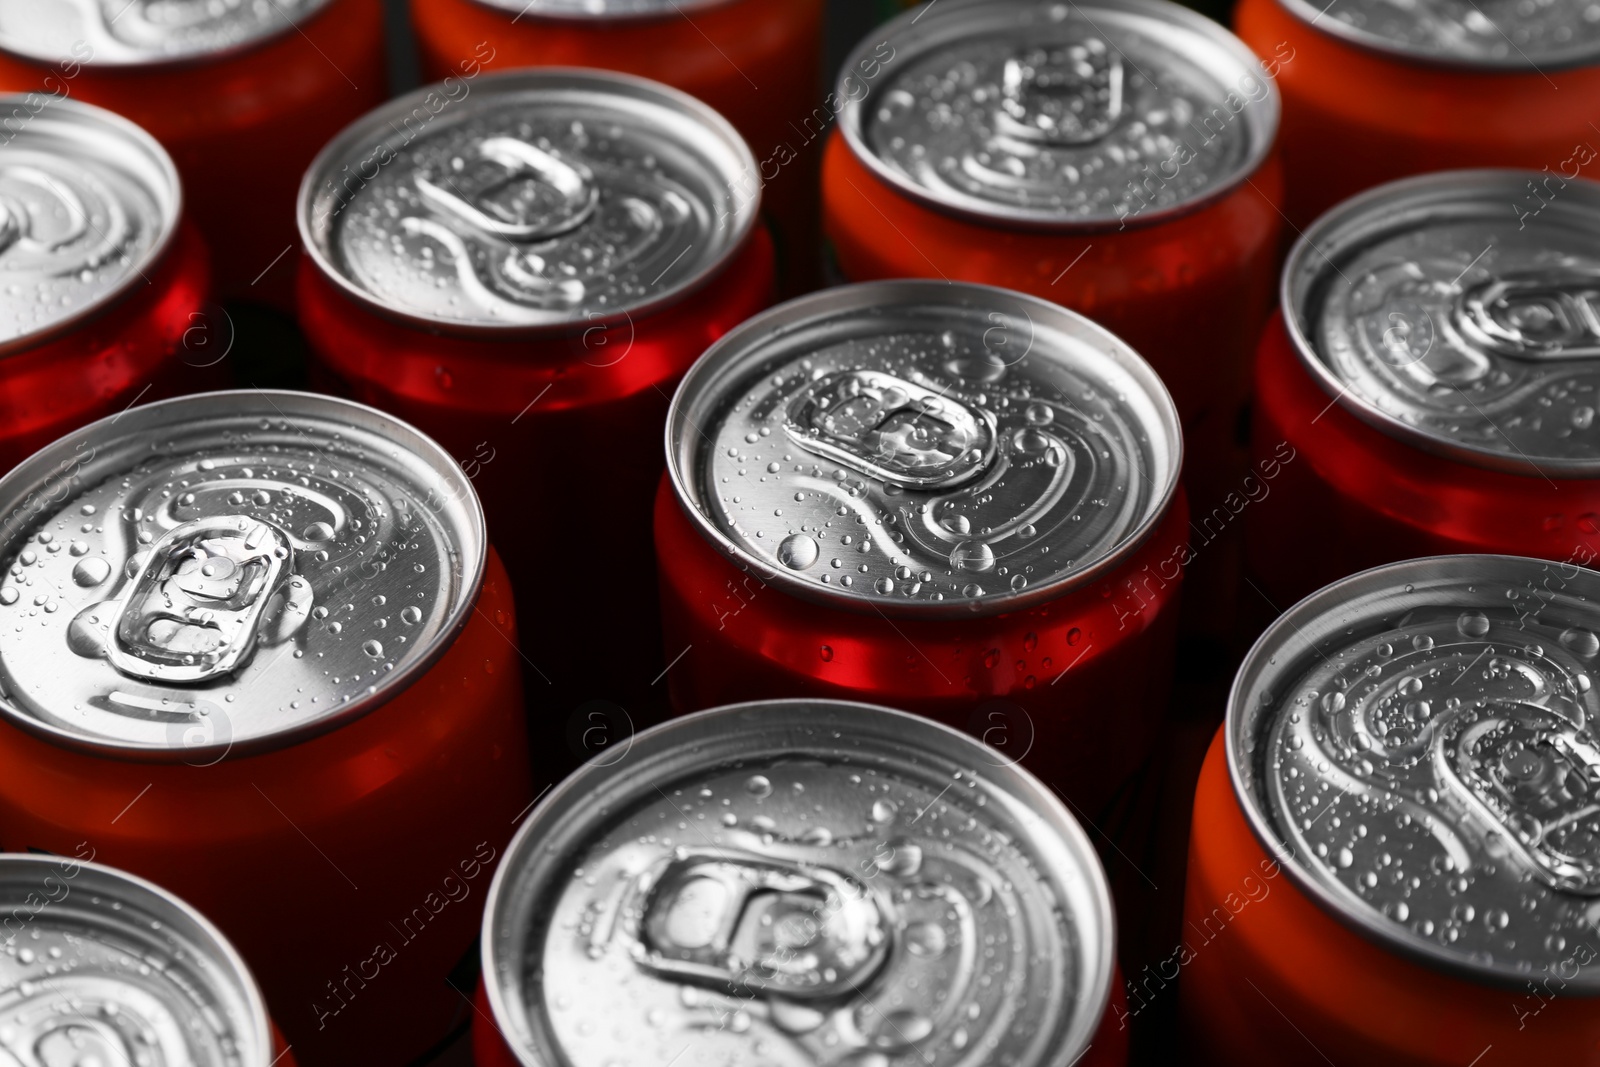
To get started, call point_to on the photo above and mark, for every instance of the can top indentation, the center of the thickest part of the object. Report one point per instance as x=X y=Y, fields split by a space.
x=145 y=32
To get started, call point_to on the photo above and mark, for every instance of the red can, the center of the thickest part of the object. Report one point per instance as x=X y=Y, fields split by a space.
x=757 y=62
x=800 y=882
x=1114 y=158
x=80 y=988
x=532 y=310
x=1430 y=385
x=947 y=499
x=1374 y=91
x=103 y=284
x=242 y=94
x=259 y=651
x=1393 y=859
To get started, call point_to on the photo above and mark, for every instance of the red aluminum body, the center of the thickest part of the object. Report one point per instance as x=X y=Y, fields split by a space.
x=241 y=127
x=757 y=62
x=1076 y=689
x=159 y=340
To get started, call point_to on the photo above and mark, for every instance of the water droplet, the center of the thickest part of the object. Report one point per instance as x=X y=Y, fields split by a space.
x=1582 y=642
x=411 y=615
x=883 y=810
x=798 y=551
x=974 y=557
x=319 y=531
x=1472 y=623
x=91 y=571
x=758 y=786
x=86 y=633
x=373 y=648
x=8 y=595
x=827 y=654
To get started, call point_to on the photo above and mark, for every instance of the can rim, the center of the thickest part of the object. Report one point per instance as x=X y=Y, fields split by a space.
x=582 y=79
x=727 y=356
x=1286 y=637
x=186 y=60
x=115 y=881
x=1262 y=124
x=1311 y=15
x=584 y=17
x=169 y=200
x=1365 y=217
x=599 y=777
x=21 y=482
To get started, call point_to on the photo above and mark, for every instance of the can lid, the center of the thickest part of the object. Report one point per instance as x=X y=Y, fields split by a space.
x=1416 y=744
x=602 y=10
x=923 y=448
x=1460 y=312
x=100 y=967
x=1511 y=35
x=88 y=201
x=130 y=33
x=1055 y=115
x=527 y=200
x=228 y=572
x=800 y=882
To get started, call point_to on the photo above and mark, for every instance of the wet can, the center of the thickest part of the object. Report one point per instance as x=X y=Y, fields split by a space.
x=799 y=882
x=1114 y=158
x=525 y=275
x=1394 y=856
x=1374 y=91
x=100 y=967
x=945 y=498
x=756 y=62
x=104 y=285
x=242 y=94
x=258 y=650
x=1429 y=386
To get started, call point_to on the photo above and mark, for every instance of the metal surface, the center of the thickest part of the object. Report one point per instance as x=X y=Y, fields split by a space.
x=1432 y=311
x=1416 y=745
x=101 y=968
x=1532 y=36
x=541 y=199
x=1053 y=115
x=799 y=883
x=923 y=448
x=131 y=33
x=88 y=203
x=228 y=572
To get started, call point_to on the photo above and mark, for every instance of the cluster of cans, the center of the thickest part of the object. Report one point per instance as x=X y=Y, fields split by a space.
x=703 y=679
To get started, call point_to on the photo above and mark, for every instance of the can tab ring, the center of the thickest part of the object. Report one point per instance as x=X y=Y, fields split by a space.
x=1534 y=316
x=748 y=923
x=1061 y=96
x=204 y=595
x=892 y=430
x=513 y=191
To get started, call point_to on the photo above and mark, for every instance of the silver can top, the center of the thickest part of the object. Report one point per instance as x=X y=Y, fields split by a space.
x=544 y=198
x=1524 y=35
x=131 y=33
x=228 y=572
x=923 y=448
x=1417 y=745
x=100 y=967
x=1435 y=310
x=88 y=202
x=800 y=883
x=602 y=10
x=1056 y=115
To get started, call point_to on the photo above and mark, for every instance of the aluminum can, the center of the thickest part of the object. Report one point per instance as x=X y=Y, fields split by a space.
x=945 y=498
x=757 y=62
x=1114 y=158
x=242 y=94
x=526 y=276
x=104 y=285
x=1393 y=858
x=258 y=650
x=1375 y=91
x=1429 y=387
x=100 y=967
x=797 y=883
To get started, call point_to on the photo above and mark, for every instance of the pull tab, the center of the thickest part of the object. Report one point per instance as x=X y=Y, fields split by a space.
x=1537 y=317
x=1063 y=95
x=892 y=430
x=1529 y=774
x=193 y=611
x=744 y=922
x=514 y=191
